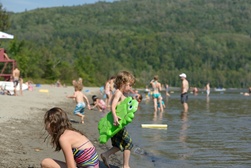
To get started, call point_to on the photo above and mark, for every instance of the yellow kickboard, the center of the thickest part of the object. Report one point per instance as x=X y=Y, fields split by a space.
x=44 y=90
x=154 y=125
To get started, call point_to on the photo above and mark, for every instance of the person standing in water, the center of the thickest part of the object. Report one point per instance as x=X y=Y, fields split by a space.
x=208 y=89
x=184 y=91
x=156 y=93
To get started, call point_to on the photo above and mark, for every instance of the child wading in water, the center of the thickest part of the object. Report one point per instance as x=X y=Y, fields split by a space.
x=79 y=98
x=77 y=148
x=120 y=141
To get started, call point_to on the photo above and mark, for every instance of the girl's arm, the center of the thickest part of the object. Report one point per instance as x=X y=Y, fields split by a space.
x=115 y=101
x=95 y=105
x=67 y=150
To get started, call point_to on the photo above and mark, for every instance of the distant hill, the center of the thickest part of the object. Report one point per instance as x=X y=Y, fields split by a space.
x=209 y=40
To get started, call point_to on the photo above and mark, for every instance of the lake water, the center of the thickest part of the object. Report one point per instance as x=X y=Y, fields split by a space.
x=215 y=133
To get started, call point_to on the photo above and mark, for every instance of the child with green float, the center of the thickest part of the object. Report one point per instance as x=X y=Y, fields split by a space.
x=122 y=140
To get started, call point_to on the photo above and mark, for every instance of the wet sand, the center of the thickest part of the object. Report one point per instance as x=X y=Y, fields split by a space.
x=22 y=133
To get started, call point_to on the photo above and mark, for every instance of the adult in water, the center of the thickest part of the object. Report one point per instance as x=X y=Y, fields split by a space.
x=184 y=91
x=156 y=93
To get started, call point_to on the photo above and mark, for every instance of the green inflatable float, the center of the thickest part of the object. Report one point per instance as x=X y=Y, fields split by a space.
x=125 y=111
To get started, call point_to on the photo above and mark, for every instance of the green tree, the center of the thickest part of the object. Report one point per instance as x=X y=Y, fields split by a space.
x=4 y=19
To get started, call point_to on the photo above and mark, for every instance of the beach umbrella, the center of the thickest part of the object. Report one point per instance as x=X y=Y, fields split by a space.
x=5 y=35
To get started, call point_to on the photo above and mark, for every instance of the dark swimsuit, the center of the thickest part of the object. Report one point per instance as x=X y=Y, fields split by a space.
x=184 y=97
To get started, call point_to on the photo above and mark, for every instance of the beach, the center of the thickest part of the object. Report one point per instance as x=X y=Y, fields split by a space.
x=22 y=137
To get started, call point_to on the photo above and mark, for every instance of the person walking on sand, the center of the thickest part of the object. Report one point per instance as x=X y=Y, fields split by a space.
x=80 y=99
x=108 y=90
x=77 y=148
x=15 y=75
x=208 y=89
x=184 y=91
x=122 y=140
x=156 y=93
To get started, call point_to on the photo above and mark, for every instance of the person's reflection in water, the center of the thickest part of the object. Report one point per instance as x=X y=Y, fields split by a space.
x=207 y=104
x=183 y=134
x=183 y=131
x=156 y=117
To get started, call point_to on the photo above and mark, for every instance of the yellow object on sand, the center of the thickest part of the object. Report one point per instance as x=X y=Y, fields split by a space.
x=162 y=126
x=44 y=90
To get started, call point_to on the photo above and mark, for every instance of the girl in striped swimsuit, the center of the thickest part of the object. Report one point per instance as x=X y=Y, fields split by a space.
x=78 y=150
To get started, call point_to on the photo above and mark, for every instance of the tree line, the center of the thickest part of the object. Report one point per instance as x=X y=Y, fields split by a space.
x=207 y=40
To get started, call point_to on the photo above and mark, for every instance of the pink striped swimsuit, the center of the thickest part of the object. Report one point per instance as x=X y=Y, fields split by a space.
x=85 y=158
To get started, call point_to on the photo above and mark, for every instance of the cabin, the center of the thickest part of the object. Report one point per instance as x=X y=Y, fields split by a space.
x=7 y=65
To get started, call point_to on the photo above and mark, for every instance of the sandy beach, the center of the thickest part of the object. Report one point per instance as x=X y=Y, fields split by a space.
x=22 y=133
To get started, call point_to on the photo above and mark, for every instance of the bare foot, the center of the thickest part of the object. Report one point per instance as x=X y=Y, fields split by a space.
x=105 y=160
x=82 y=120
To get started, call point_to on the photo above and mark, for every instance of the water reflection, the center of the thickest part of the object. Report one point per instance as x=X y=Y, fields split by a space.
x=183 y=134
x=214 y=133
x=184 y=126
x=207 y=104
x=157 y=117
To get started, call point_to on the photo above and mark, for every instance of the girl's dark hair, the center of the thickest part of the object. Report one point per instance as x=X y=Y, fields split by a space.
x=56 y=122
x=94 y=98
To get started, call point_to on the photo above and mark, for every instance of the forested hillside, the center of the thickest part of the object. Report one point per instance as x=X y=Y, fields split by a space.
x=209 y=40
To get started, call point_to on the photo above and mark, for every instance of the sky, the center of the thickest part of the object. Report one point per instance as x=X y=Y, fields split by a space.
x=22 y=5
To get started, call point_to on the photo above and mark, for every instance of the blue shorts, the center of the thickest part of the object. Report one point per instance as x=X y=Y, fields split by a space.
x=184 y=98
x=80 y=108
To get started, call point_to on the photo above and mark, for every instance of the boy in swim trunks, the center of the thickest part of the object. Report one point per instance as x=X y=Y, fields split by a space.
x=80 y=99
x=122 y=140
x=184 y=91
x=15 y=75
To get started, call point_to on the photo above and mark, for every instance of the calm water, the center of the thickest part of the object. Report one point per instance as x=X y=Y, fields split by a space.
x=216 y=132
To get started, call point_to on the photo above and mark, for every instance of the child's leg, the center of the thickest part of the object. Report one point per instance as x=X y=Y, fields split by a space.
x=127 y=154
x=82 y=117
x=51 y=163
x=160 y=103
x=155 y=104
x=105 y=155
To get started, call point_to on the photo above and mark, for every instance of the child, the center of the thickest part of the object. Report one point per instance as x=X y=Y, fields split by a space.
x=79 y=98
x=77 y=148
x=163 y=105
x=99 y=103
x=120 y=141
x=109 y=90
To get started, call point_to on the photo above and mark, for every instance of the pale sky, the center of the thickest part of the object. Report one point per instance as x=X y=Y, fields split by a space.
x=22 y=5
